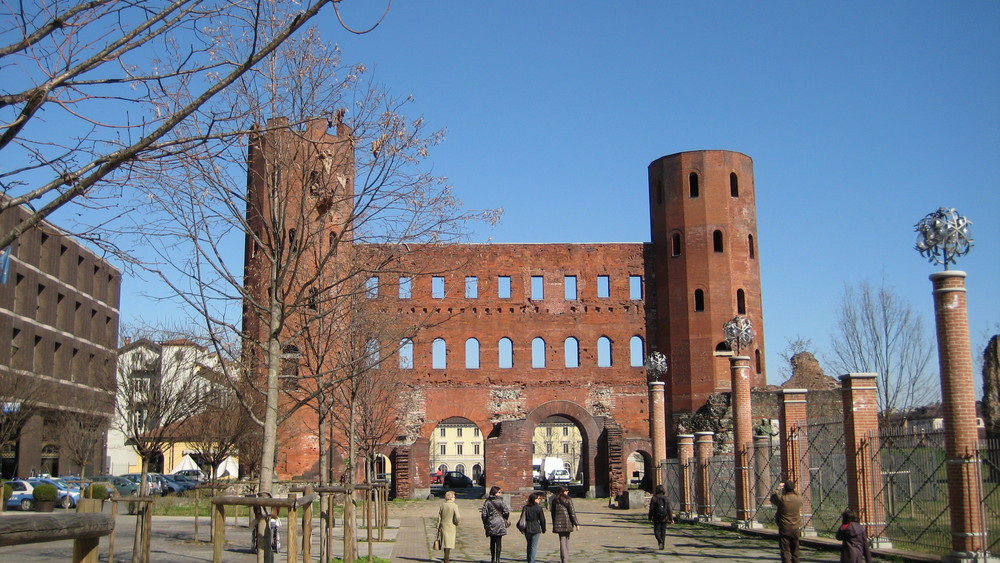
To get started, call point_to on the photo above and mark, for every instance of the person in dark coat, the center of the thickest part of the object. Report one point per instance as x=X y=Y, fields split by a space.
x=660 y=514
x=564 y=520
x=496 y=518
x=854 y=547
x=534 y=523
x=789 y=520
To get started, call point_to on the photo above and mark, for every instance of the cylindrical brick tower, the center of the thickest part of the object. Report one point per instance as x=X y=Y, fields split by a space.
x=704 y=231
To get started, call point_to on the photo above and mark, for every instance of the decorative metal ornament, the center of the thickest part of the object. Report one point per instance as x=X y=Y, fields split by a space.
x=943 y=236
x=656 y=366
x=739 y=333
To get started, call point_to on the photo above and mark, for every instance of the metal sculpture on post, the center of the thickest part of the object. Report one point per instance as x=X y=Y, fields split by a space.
x=739 y=334
x=656 y=367
x=943 y=237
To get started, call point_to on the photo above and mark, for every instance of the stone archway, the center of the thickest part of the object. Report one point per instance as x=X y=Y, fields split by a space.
x=590 y=432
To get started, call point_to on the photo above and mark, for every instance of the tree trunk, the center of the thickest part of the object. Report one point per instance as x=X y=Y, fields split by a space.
x=144 y=507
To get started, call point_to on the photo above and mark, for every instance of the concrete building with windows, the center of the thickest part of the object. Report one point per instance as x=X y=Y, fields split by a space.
x=59 y=310
x=457 y=445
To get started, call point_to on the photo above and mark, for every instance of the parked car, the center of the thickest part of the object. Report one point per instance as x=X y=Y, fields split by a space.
x=166 y=486
x=67 y=496
x=456 y=480
x=194 y=474
x=436 y=478
x=154 y=486
x=121 y=486
x=560 y=477
x=184 y=480
x=179 y=483
x=22 y=497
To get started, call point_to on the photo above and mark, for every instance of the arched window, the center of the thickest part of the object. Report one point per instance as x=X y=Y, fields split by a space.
x=460 y=468
x=750 y=245
x=571 y=349
x=734 y=185
x=636 y=352
x=472 y=354
x=699 y=300
x=604 y=352
x=290 y=356
x=506 y=351
x=372 y=354
x=741 y=302
x=537 y=352
x=439 y=354
x=675 y=247
x=693 y=184
x=443 y=468
x=717 y=241
x=406 y=354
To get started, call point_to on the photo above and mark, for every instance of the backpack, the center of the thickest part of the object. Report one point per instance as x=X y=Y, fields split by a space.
x=662 y=512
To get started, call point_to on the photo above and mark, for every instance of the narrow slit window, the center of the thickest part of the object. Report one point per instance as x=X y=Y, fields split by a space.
x=699 y=300
x=750 y=248
x=675 y=248
x=734 y=185
x=693 y=184
x=717 y=241
x=741 y=302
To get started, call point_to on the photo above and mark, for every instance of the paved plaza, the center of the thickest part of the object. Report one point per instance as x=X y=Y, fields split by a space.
x=606 y=535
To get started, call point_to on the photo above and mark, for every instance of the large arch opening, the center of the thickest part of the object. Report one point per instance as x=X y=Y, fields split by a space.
x=557 y=457
x=575 y=418
x=457 y=458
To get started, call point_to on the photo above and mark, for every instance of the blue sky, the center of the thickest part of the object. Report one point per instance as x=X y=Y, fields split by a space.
x=861 y=118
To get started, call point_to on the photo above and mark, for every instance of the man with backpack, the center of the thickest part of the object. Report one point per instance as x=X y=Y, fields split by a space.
x=660 y=514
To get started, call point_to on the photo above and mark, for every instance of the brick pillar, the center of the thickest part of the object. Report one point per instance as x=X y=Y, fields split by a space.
x=959 y=406
x=861 y=441
x=739 y=373
x=794 y=450
x=762 y=468
x=685 y=466
x=704 y=446
x=657 y=428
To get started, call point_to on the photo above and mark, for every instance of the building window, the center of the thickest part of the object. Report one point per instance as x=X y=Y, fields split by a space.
x=406 y=354
x=636 y=351
x=693 y=184
x=548 y=448
x=750 y=248
x=503 y=287
x=675 y=246
x=569 y=282
x=756 y=356
x=475 y=431
x=565 y=447
x=538 y=353
x=548 y=431
x=472 y=354
x=373 y=354
x=475 y=449
x=437 y=287
x=458 y=433
x=371 y=287
x=537 y=288
x=604 y=352
x=439 y=354
x=635 y=287
x=459 y=449
x=571 y=349
x=471 y=287
x=565 y=430
x=460 y=468
x=699 y=300
x=442 y=432
x=741 y=302
x=443 y=449
x=734 y=185
x=717 y=241
x=506 y=353
x=405 y=288
x=603 y=286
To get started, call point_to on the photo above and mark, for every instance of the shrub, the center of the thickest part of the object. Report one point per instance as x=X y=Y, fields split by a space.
x=45 y=491
x=98 y=491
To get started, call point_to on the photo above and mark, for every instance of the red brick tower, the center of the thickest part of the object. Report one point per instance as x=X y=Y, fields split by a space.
x=704 y=233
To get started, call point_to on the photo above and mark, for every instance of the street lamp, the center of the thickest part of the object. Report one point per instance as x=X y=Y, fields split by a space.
x=656 y=366
x=943 y=235
x=739 y=333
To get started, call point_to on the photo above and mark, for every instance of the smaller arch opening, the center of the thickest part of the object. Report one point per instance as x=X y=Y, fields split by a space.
x=699 y=300
x=734 y=185
x=693 y=184
x=717 y=241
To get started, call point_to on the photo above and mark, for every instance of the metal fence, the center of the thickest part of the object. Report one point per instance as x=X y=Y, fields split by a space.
x=722 y=478
x=989 y=452
x=821 y=449
x=767 y=475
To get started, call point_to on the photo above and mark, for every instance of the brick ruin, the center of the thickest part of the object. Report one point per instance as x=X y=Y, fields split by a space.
x=592 y=311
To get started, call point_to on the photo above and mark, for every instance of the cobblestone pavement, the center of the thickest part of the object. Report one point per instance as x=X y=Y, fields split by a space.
x=606 y=535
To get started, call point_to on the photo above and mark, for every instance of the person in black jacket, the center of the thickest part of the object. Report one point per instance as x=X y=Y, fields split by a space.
x=854 y=548
x=534 y=523
x=660 y=514
x=495 y=521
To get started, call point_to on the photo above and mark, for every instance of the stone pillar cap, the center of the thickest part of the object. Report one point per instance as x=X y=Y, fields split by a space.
x=847 y=376
x=948 y=274
x=793 y=390
x=705 y=433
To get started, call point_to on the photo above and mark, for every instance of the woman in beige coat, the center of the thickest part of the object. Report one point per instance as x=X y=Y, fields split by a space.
x=448 y=524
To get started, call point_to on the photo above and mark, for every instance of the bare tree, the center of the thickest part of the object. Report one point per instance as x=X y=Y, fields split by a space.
x=878 y=331
x=217 y=432
x=19 y=396
x=793 y=346
x=316 y=197
x=80 y=435
x=89 y=88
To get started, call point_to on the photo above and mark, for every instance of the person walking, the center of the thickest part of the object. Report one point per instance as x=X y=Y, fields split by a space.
x=789 y=520
x=496 y=519
x=564 y=520
x=448 y=520
x=854 y=547
x=660 y=514
x=532 y=523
